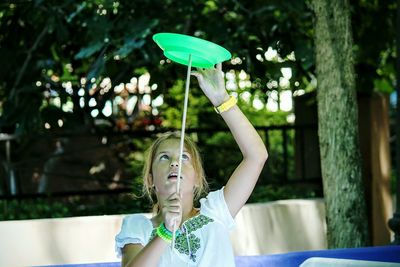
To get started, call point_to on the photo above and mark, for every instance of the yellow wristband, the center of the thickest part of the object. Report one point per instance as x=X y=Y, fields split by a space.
x=226 y=105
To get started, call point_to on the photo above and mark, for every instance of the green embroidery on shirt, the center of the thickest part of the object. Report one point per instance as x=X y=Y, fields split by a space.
x=197 y=223
x=153 y=234
x=181 y=244
x=185 y=236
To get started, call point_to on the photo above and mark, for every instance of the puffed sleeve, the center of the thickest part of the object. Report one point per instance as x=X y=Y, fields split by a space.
x=134 y=230
x=214 y=205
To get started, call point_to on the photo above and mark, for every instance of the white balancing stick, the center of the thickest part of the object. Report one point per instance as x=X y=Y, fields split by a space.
x=178 y=184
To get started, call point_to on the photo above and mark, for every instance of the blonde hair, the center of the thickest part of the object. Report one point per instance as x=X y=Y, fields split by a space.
x=148 y=188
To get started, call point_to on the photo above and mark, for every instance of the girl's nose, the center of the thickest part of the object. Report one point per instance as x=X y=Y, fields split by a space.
x=174 y=163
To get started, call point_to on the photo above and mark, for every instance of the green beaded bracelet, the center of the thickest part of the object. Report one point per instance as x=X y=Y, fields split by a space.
x=164 y=233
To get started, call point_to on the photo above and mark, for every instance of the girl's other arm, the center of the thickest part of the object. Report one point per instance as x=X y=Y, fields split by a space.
x=149 y=256
x=135 y=255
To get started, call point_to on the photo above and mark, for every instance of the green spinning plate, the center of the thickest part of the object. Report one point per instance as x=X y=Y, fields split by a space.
x=178 y=47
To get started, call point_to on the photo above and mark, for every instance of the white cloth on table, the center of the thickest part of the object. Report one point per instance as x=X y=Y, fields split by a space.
x=333 y=262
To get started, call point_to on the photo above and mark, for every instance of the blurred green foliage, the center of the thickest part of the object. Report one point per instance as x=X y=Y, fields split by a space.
x=71 y=206
x=54 y=42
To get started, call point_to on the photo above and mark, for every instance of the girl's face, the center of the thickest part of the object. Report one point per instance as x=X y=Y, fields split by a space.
x=165 y=169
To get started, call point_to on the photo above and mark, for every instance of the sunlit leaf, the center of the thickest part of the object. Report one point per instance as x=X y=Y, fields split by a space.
x=383 y=86
x=128 y=47
x=89 y=50
x=78 y=10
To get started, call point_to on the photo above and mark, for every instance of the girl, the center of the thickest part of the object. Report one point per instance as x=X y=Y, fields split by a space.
x=202 y=238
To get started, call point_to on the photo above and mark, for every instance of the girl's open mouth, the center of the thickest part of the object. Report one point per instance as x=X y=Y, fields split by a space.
x=173 y=176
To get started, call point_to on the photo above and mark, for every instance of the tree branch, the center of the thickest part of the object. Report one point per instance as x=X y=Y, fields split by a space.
x=243 y=8
x=28 y=58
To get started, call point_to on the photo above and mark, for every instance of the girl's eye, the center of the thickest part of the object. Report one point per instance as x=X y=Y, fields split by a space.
x=164 y=157
x=185 y=157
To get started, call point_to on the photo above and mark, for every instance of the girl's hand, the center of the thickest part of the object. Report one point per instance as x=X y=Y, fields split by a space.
x=212 y=83
x=172 y=212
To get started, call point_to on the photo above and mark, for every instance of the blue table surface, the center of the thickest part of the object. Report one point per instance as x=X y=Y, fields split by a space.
x=294 y=259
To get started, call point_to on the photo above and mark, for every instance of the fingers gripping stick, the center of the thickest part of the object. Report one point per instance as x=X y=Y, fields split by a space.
x=182 y=137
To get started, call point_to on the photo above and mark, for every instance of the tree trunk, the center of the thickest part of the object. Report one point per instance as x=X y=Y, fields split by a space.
x=338 y=126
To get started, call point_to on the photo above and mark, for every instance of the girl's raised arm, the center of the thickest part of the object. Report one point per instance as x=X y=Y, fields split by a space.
x=243 y=180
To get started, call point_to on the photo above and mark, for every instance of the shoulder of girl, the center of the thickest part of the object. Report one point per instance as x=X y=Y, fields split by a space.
x=215 y=193
x=135 y=218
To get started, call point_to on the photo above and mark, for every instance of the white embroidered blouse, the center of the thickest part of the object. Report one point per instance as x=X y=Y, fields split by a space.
x=204 y=239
